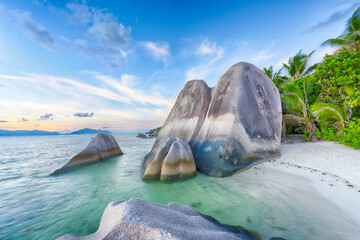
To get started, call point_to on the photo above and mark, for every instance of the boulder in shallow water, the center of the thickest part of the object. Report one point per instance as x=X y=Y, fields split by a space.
x=138 y=219
x=171 y=159
x=101 y=147
x=141 y=135
x=229 y=127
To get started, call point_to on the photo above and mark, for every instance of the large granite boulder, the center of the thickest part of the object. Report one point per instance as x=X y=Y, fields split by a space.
x=171 y=159
x=138 y=219
x=229 y=127
x=101 y=147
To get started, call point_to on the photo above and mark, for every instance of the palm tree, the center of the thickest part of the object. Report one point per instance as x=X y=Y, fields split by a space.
x=297 y=65
x=351 y=35
x=297 y=111
x=278 y=80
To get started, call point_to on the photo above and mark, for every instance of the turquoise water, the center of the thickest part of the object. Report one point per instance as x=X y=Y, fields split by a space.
x=34 y=205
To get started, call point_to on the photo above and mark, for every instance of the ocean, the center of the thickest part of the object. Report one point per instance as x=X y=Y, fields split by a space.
x=34 y=205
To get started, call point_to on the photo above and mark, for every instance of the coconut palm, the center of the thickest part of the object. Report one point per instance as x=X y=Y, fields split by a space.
x=278 y=80
x=351 y=35
x=296 y=110
x=297 y=65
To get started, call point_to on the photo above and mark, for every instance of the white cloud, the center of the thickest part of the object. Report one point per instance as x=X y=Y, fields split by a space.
x=206 y=48
x=100 y=33
x=203 y=70
x=263 y=56
x=134 y=94
x=125 y=91
x=320 y=54
x=79 y=13
x=211 y=68
x=159 y=51
x=129 y=106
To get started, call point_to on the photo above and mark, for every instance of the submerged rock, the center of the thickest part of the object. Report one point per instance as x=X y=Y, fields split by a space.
x=103 y=146
x=171 y=159
x=138 y=219
x=231 y=126
x=141 y=135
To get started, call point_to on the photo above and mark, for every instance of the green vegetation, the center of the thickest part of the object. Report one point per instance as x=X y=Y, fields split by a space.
x=351 y=35
x=324 y=104
x=297 y=65
x=279 y=81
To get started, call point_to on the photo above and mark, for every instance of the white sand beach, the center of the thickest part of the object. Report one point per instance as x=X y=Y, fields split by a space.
x=322 y=178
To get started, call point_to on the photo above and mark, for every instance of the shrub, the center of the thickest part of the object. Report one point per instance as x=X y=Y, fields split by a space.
x=339 y=78
x=350 y=135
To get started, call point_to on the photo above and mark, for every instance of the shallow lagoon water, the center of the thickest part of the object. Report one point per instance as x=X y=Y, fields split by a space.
x=34 y=205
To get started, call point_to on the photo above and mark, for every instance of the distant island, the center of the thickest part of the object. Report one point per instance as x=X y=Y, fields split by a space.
x=26 y=133
x=89 y=131
x=46 y=133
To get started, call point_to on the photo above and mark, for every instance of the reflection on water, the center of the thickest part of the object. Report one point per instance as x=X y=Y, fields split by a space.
x=34 y=205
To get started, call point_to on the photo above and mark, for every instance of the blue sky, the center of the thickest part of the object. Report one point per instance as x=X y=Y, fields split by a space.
x=120 y=65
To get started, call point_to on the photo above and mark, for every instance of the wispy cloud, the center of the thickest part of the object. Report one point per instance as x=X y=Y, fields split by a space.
x=333 y=18
x=206 y=47
x=159 y=51
x=32 y=29
x=211 y=68
x=121 y=90
x=23 y=120
x=202 y=71
x=319 y=55
x=133 y=94
x=84 y=114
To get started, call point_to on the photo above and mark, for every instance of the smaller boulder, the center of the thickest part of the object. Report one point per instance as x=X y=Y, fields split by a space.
x=171 y=159
x=101 y=147
x=137 y=219
x=140 y=135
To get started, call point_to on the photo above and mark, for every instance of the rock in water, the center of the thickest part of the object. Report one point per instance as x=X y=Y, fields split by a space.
x=141 y=135
x=138 y=219
x=231 y=126
x=172 y=159
x=103 y=146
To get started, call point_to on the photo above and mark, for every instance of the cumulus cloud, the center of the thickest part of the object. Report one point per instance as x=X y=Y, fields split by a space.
x=23 y=120
x=333 y=18
x=159 y=51
x=3 y=121
x=32 y=29
x=104 y=35
x=46 y=116
x=84 y=114
x=78 y=13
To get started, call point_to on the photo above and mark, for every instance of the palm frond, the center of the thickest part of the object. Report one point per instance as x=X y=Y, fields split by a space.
x=334 y=42
x=293 y=104
x=329 y=113
x=292 y=119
